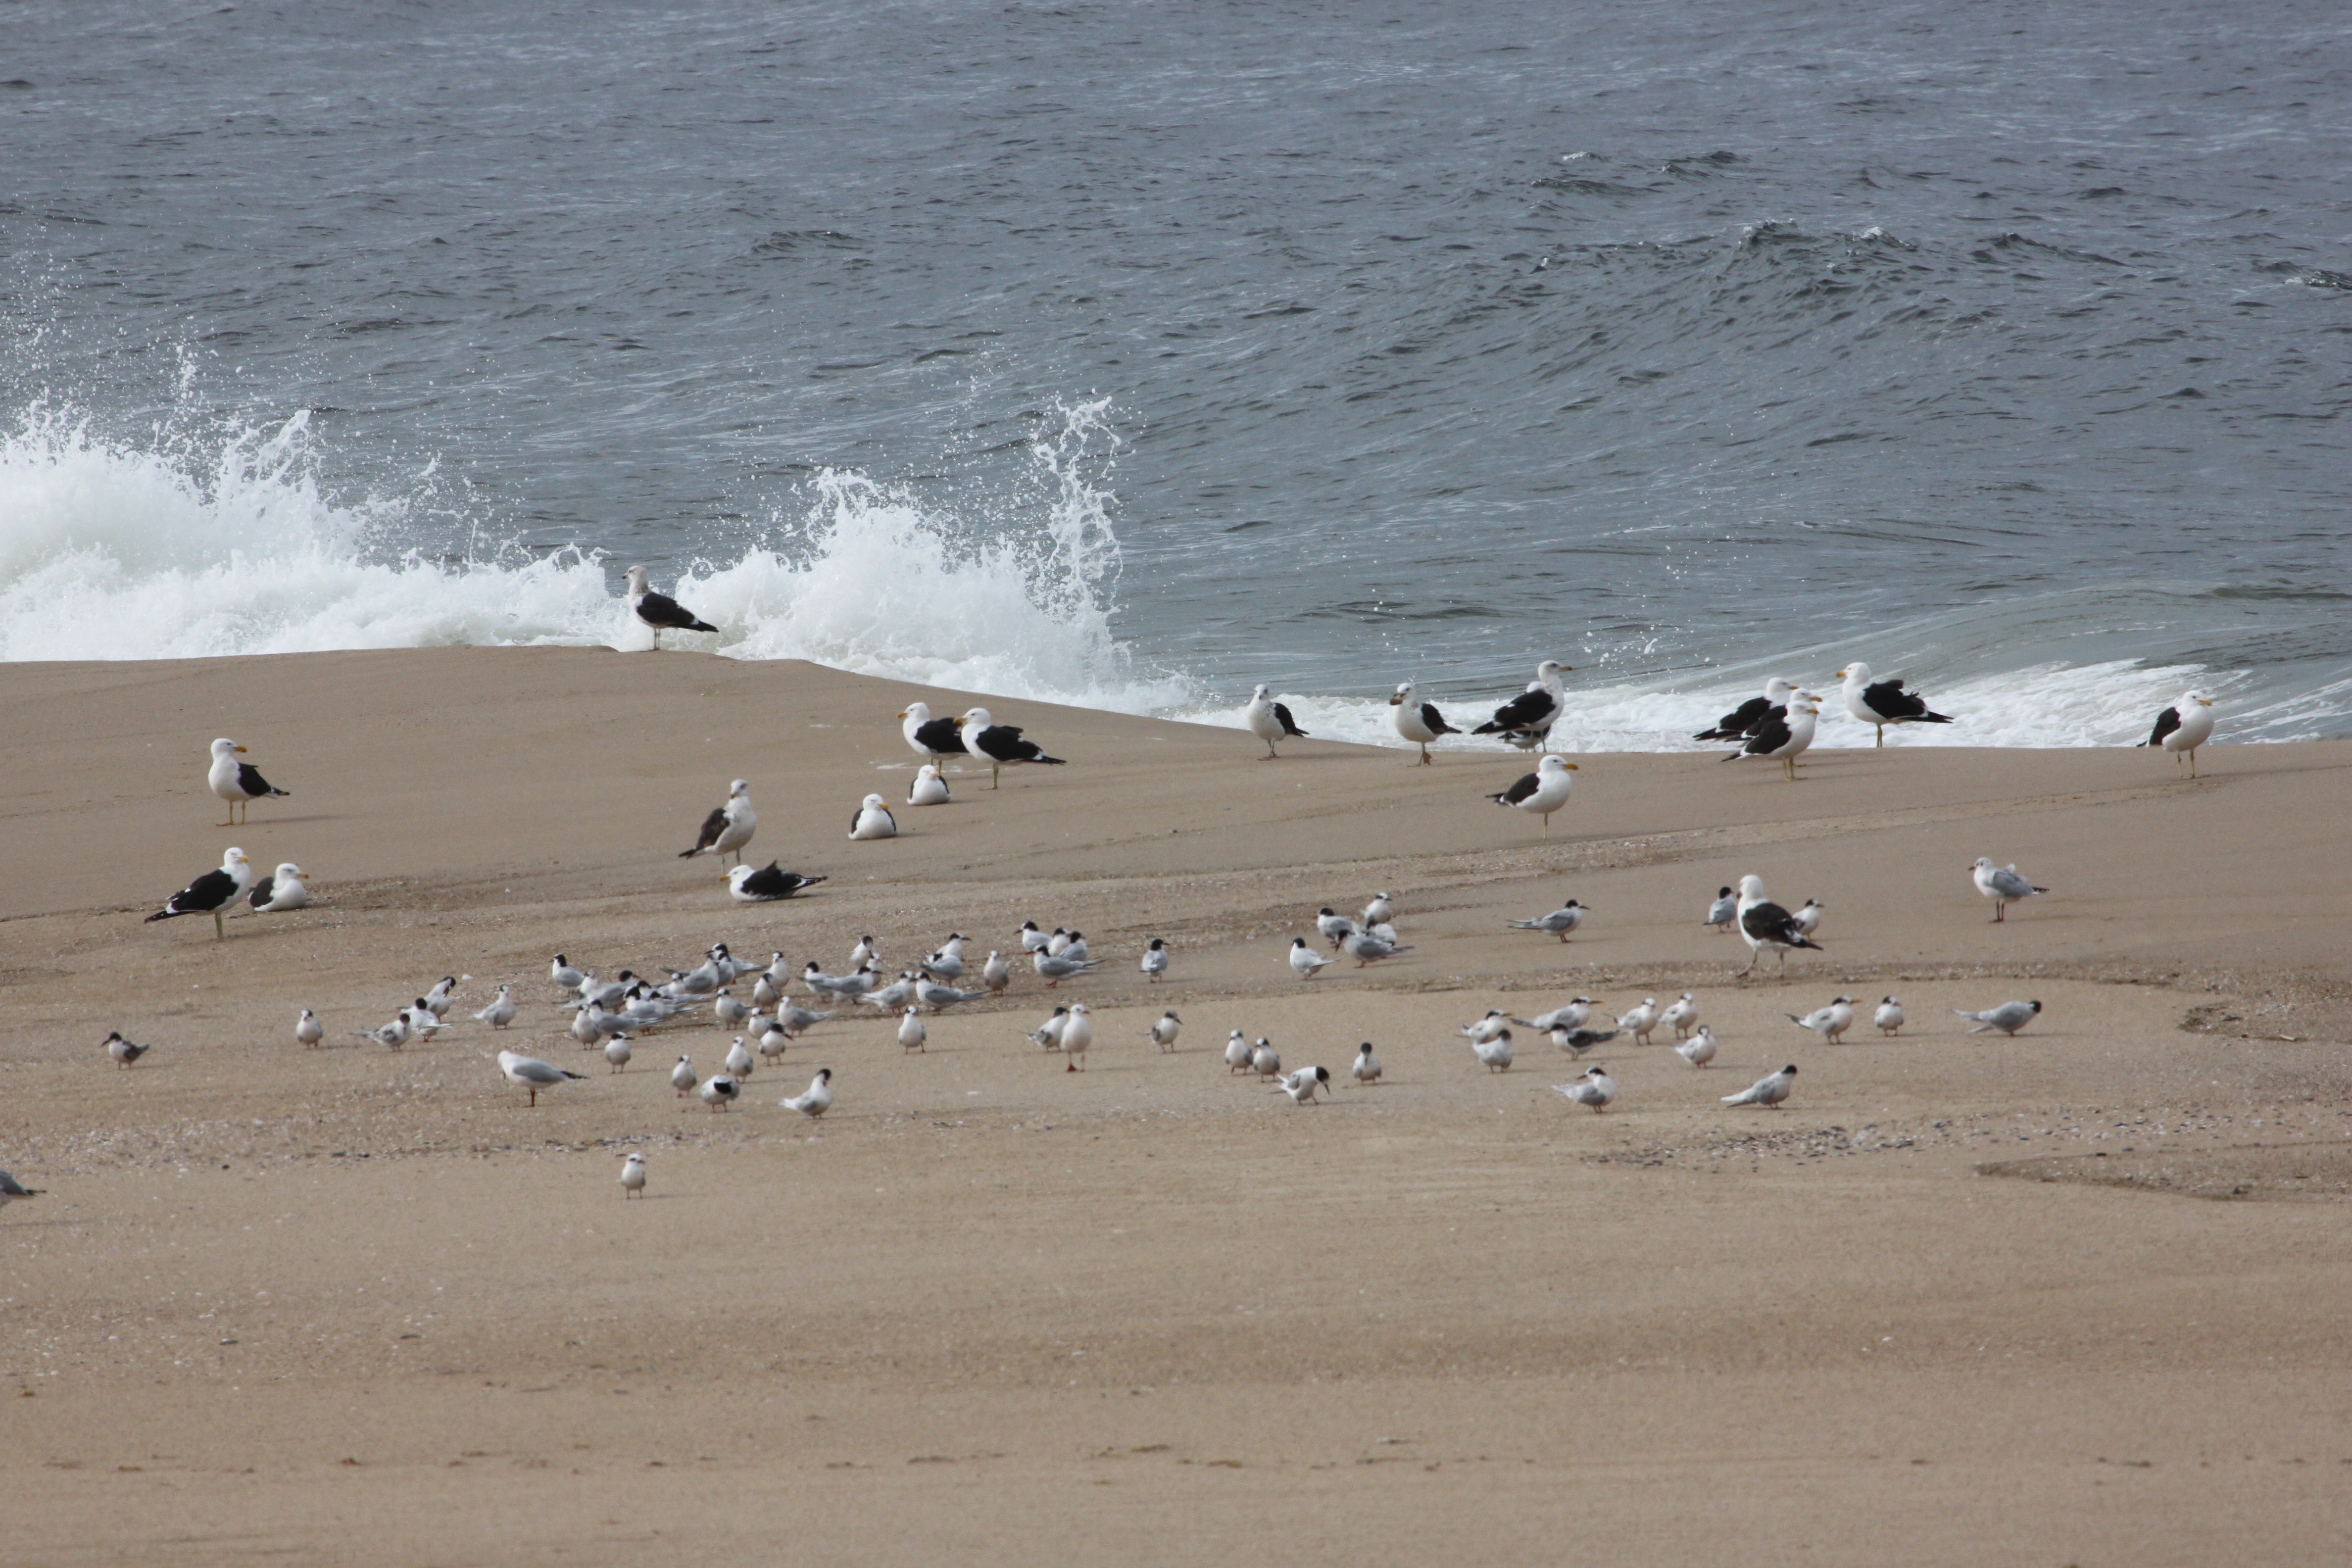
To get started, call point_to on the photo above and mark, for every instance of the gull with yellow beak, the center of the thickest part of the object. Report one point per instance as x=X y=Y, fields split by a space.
x=2179 y=729
x=237 y=783
x=1542 y=791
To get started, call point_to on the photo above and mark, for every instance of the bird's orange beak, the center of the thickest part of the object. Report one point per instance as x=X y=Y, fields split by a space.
x=240 y=751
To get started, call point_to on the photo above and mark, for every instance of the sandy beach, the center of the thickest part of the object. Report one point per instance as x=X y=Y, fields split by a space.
x=2076 y=1296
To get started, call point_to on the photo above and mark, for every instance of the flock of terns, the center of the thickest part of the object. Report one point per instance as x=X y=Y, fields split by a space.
x=1778 y=725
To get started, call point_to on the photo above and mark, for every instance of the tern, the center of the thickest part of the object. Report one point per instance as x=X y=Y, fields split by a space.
x=1888 y=1019
x=817 y=1099
x=633 y=1176
x=1301 y=1085
x=1771 y=1090
x=1367 y=1070
x=309 y=1030
x=1559 y=922
x=501 y=1012
x=530 y=1073
x=2008 y=1017
x=1165 y=1029
x=1828 y=1022
x=1304 y=962
x=1595 y=1089
x=2003 y=885
x=1699 y=1049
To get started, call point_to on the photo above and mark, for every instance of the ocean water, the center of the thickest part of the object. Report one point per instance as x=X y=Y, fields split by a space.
x=1128 y=355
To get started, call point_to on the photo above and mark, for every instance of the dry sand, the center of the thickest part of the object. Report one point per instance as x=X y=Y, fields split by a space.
x=2078 y=1297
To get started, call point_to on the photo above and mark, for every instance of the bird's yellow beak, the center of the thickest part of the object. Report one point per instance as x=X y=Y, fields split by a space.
x=1397 y=700
x=240 y=751
x=1840 y=676
x=902 y=712
x=2201 y=702
x=1572 y=767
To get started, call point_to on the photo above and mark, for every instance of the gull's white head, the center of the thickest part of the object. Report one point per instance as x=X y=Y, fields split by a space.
x=1258 y=694
x=287 y=869
x=1752 y=886
x=875 y=803
x=920 y=712
x=1551 y=765
x=1855 y=674
x=233 y=858
x=2187 y=700
x=976 y=719
x=637 y=576
x=1549 y=671
x=927 y=771
x=1403 y=694
x=224 y=747
x=637 y=1159
x=739 y=788
x=1777 y=690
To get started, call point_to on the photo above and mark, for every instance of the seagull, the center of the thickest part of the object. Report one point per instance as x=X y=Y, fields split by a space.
x=1576 y=1041
x=210 y=894
x=1496 y=1053
x=1884 y=702
x=1764 y=924
x=1595 y=1089
x=1155 y=960
x=1642 y=1020
x=1049 y=1033
x=566 y=977
x=1784 y=739
x=1768 y=1091
x=282 y=890
x=1543 y=792
x=660 y=611
x=1265 y=1059
x=307 y=1030
x=123 y=1052
x=1571 y=1015
x=617 y=1053
x=2008 y=1017
x=928 y=788
x=1237 y=1054
x=873 y=820
x=930 y=738
x=718 y=1091
x=1001 y=744
x=1367 y=1070
x=1333 y=926
x=1742 y=721
x=1365 y=948
x=11 y=1189
x=1380 y=912
x=682 y=1078
x=1682 y=1014
x=1078 y=1034
x=501 y=1013
x=729 y=828
x=817 y=1099
x=530 y=1073
x=1057 y=970
x=2003 y=885
x=1304 y=962
x=1163 y=1032
x=1724 y=913
x=633 y=1176
x=995 y=974
x=1559 y=922
x=1269 y=721
x=1301 y=1085
x=394 y=1035
x=1889 y=1017
x=2179 y=729
x=739 y=1060
x=1526 y=719
x=1486 y=1028
x=1699 y=1049
x=1828 y=1022
x=1418 y=722
x=1808 y=916
x=239 y=783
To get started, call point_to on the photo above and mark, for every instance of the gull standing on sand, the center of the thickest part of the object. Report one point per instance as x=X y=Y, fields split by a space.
x=1785 y=739
x=1542 y=791
x=1078 y=1034
x=1559 y=922
x=931 y=737
x=239 y=783
x=873 y=820
x=2179 y=729
x=1828 y=1022
x=1699 y=1049
x=1418 y=722
x=660 y=611
x=11 y=1189
x=1642 y=1020
x=1304 y=962
x=728 y=827
x=1888 y=1019
x=123 y=1052
x=1165 y=1029
x=1765 y=925
x=817 y=1099
x=2003 y=885
x=2008 y=1017
x=1724 y=913
x=501 y=1012
x=1683 y=1015
x=1002 y=744
x=1237 y=1054
x=210 y=894
x=1769 y=1091
x=633 y=1176
x=1301 y=1085
x=1494 y=1053
x=1526 y=721
x=928 y=788
x=282 y=890
x=307 y=1030
x=1742 y=721
x=1155 y=962
x=1269 y=721
x=1595 y=1089
x=530 y=1073
x=1366 y=1070
x=1884 y=703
